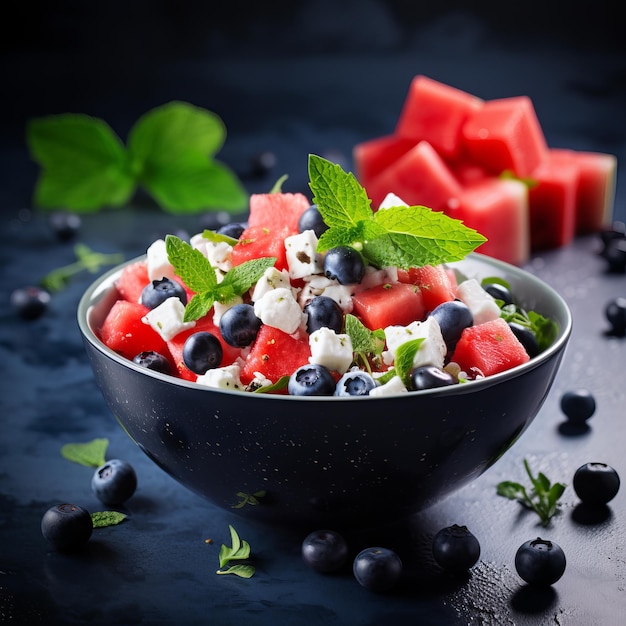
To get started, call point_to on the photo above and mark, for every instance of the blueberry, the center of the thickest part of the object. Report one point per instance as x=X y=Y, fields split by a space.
x=153 y=361
x=30 y=302
x=239 y=325
x=324 y=550
x=262 y=163
x=499 y=292
x=311 y=380
x=596 y=483
x=540 y=562
x=526 y=337
x=455 y=548
x=344 y=264
x=615 y=255
x=114 y=482
x=232 y=229
x=67 y=526
x=453 y=318
x=202 y=351
x=323 y=311
x=64 y=224
x=158 y=291
x=615 y=312
x=578 y=405
x=430 y=377
x=356 y=383
x=377 y=569
x=311 y=219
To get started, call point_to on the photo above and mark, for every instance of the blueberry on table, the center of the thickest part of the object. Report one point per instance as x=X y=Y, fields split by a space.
x=453 y=318
x=430 y=377
x=377 y=569
x=239 y=325
x=30 y=302
x=114 y=482
x=158 y=291
x=615 y=312
x=345 y=265
x=324 y=551
x=64 y=224
x=596 y=483
x=455 y=548
x=578 y=405
x=202 y=351
x=67 y=526
x=323 y=311
x=540 y=562
x=311 y=219
x=311 y=380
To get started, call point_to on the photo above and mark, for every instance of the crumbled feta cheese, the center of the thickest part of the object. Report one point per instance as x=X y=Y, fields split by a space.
x=259 y=380
x=220 y=308
x=158 y=262
x=390 y=388
x=319 y=285
x=272 y=279
x=330 y=349
x=481 y=303
x=167 y=318
x=391 y=200
x=374 y=277
x=433 y=349
x=302 y=257
x=227 y=377
x=278 y=308
x=218 y=253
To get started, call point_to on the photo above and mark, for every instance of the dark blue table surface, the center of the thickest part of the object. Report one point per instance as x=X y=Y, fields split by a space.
x=320 y=86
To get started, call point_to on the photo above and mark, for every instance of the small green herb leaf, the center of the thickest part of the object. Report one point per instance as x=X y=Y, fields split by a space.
x=242 y=570
x=544 y=329
x=278 y=185
x=239 y=551
x=366 y=343
x=91 y=453
x=279 y=385
x=405 y=355
x=101 y=519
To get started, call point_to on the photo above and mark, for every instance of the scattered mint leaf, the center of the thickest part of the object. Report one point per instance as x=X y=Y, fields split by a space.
x=247 y=498
x=400 y=236
x=542 y=498
x=239 y=551
x=86 y=259
x=101 y=519
x=91 y=453
x=197 y=273
x=242 y=570
x=278 y=185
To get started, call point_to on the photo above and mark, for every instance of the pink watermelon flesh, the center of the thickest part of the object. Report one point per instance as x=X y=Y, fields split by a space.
x=132 y=281
x=389 y=305
x=434 y=281
x=277 y=210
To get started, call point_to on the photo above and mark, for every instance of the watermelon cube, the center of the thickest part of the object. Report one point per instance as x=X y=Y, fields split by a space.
x=436 y=112
x=132 y=280
x=505 y=135
x=260 y=241
x=434 y=282
x=396 y=304
x=489 y=348
x=276 y=211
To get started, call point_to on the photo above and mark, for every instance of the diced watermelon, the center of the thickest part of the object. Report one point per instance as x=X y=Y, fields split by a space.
x=124 y=332
x=276 y=211
x=498 y=209
x=419 y=177
x=257 y=242
x=505 y=135
x=552 y=204
x=389 y=305
x=177 y=343
x=490 y=348
x=434 y=283
x=595 y=192
x=275 y=354
x=436 y=112
x=132 y=281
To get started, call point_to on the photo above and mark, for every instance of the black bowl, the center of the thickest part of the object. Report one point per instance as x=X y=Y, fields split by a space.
x=327 y=461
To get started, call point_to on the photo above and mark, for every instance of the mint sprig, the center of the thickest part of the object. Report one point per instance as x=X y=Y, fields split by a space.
x=401 y=236
x=239 y=551
x=85 y=166
x=366 y=344
x=199 y=275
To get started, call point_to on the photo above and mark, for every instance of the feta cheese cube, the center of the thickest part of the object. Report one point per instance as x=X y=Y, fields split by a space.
x=159 y=265
x=218 y=253
x=331 y=349
x=433 y=349
x=278 y=308
x=391 y=388
x=481 y=303
x=272 y=279
x=391 y=200
x=167 y=318
x=227 y=377
x=374 y=277
x=302 y=257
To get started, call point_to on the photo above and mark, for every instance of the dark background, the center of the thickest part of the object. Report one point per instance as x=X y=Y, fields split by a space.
x=309 y=76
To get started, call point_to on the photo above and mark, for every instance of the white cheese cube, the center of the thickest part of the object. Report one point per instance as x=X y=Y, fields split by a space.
x=279 y=309
x=330 y=349
x=227 y=377
x=391 y=200
x=218 y=253
x=433 y=349
x=374 y=277
x=219 y=308
x=482 y=304
x=167 y=318
x=159 y=265
x=272 y=279
x=391 y=388
x=302 y=257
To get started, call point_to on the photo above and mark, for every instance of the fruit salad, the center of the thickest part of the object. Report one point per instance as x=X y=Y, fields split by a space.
x=322 y=297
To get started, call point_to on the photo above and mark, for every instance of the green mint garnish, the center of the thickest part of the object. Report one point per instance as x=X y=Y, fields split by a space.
x=86 y=259
x=401 y=236
x=101 y=519
x=249 y=498
x=216 y=237
x=278 y=185
x=279 y=385
x=170 y=150
x=403 y=362
x=91 y=453
x=239 y=551
x=542 y=498
x=366 y=343
x=544 y=329
x=197 y=273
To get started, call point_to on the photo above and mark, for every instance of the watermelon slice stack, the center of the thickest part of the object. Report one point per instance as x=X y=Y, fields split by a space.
x=487 y=163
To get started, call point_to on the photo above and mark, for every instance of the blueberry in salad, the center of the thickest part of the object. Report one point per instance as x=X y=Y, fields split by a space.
x=202 y=352
x=154 y=361
x=158 y=291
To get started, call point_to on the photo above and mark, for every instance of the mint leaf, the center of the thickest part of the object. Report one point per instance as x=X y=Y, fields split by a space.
x=101 y=519
x=91 y=453
x=216 y=237
x=279 y=385
x=544 y=329
x=239 y=551
x=366 y=343
x=190 y=264
x=243 y=276
x=405 y=354
x=84 y=163
x=243 y=571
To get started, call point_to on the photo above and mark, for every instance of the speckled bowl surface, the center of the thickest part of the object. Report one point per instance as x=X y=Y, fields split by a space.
x=327 y=461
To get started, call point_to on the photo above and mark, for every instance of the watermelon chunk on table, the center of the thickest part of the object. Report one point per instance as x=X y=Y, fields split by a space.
x=396 y=304
x=489 y=348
